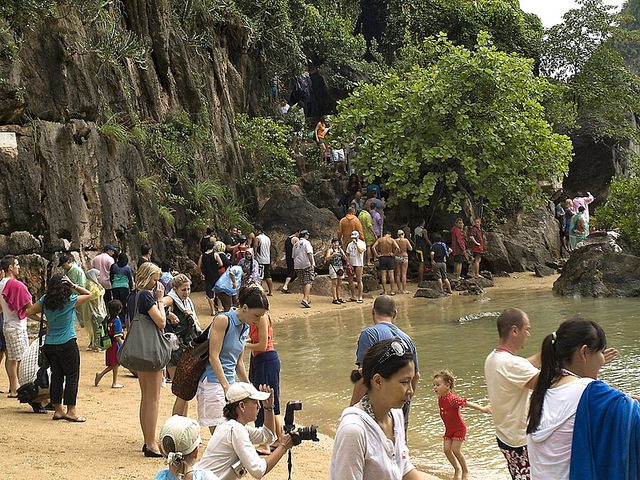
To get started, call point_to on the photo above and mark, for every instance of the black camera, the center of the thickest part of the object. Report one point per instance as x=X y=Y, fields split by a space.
x=304 y=433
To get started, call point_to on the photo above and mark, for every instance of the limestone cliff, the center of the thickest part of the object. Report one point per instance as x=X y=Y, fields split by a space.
x=75 y=188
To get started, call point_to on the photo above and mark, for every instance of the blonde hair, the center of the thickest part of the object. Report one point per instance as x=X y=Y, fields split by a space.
x=446 y=376
x=144 y=274
x=180 y=280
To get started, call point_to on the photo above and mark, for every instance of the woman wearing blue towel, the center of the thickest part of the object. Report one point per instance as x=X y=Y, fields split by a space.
x=579 y=427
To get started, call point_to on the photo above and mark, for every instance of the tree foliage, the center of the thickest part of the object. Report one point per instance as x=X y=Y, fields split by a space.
x=459 y=121
x=621 y=210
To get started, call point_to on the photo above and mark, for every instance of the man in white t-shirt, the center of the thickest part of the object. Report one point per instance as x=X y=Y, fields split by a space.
x=262 y=249
x=356 y=250
x=304 y=264
x=510 y=380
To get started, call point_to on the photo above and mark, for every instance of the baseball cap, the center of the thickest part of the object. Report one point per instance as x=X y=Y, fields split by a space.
x=241 y=391
x=64 y=259
x=110 y=247
x=355 y=234
x=304 y=233
x=184 y=432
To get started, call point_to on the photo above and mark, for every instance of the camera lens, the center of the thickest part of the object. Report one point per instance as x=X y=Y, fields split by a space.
x=309 y=433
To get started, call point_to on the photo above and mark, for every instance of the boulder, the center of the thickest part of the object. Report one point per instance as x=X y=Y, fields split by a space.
x=321 y=286
x=370 y=283
x=34 y=273
x=602 y=266
x=543 y=271
x=429 y=293
x=19 y=243
x=288 y=210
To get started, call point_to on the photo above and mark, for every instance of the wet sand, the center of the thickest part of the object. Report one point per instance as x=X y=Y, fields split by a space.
x=108 y=445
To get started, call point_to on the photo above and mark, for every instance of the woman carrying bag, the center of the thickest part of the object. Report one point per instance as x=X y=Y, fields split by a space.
x=146 y=300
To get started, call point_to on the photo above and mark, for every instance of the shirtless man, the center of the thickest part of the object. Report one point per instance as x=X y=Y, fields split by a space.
x=385 y=249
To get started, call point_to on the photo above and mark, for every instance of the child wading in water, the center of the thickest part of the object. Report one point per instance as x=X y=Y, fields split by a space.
x=114 y=330
x=455 y=428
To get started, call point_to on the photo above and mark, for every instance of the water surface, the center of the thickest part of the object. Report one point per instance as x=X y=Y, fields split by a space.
x=318 y=354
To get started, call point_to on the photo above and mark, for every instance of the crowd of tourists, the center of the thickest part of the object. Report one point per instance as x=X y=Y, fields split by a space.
x=573 y=220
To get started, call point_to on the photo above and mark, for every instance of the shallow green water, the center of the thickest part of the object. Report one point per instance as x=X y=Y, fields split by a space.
x=318 y=354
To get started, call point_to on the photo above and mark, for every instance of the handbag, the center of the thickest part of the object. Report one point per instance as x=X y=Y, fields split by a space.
x=145 y=348
x=349 y=270
x=191 y=364
x=105 y=339
x=30 y=391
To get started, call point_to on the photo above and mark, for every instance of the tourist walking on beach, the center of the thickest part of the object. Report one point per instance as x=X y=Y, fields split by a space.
x=211 y=265
x=510 y=380
x=113 y=327
x=121 y=278
x=438 y=255
x=14 y=299
x=383 y=314
x=569 y=212
x=234 y=439
x=455 y=432
x=458 y=246
x=385 y=250
x=250 y=270
x=228 y=286
x=264 y=369
x=290 y=241
x=147 y=300
x=336 y=259
x=179 y=442
x=305 y=265
x=60 y=346
x=226 y=343
x=476 y=235
x=370 y=442
x=183 y=321
x=423 y=244
x=102 y=263
x=348 y=224
x=369 y=235
x=402 y=262
x=355 y=252
x=206 y=239
x=96 y=308
x=262 y=250
x=580 y=427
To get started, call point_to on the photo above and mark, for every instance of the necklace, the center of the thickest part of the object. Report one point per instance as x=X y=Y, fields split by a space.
x=566 y=373
x=501 y=349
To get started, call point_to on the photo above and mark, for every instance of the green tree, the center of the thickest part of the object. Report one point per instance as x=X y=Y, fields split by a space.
x=460 y=123
x=621 y=210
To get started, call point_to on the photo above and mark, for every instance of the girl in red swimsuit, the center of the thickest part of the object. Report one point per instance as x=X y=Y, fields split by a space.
x=455 y=428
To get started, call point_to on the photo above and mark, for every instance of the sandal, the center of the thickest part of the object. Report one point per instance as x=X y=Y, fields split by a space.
x=75 y=419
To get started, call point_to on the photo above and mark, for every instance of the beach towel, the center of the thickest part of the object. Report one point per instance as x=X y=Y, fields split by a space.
x=17 y=297
x=606 y=435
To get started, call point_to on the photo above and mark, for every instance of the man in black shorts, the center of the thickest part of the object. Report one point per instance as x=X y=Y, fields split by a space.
x=385 y=249
x=422 y=247
x=438 y=254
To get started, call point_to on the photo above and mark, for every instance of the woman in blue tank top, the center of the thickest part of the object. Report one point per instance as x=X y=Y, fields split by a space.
x=226 y=343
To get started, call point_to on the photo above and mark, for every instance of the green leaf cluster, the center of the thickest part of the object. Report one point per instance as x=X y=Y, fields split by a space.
x=459 y=122
x=621 y=209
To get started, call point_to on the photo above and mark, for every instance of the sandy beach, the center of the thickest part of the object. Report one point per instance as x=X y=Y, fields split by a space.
x=108 y=445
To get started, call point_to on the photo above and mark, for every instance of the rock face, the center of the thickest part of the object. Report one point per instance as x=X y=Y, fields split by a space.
x=601 y=267
x=529 y=239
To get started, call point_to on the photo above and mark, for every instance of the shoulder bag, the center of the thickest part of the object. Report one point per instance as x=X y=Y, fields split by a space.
x=145 y=348
x=191 y=364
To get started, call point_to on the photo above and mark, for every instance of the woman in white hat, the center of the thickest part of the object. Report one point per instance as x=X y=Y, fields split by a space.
x=179 y=442
x=234 y=440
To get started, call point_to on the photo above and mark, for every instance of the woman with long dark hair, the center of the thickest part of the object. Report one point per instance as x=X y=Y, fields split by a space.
x=121 y=282
x=570 y=361
x=370 y=440
x=60 y=345
x=148 y=300
x=227 y=335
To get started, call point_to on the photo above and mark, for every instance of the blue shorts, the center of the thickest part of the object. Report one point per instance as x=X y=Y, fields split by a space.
x=265 y=370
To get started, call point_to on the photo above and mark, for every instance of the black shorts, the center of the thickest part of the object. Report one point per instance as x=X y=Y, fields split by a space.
x=291 y=271
x=265 y=270
x=386 y=263
x=209 y=289
x=459 y=258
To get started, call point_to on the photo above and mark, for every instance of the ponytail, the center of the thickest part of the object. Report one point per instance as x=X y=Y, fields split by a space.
x=549 y=370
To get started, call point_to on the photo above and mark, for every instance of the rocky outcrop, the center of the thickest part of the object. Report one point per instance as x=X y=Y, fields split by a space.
x=602 y=266
x=528 y=240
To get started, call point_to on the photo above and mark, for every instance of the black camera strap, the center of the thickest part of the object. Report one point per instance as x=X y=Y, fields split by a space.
x=290 y=463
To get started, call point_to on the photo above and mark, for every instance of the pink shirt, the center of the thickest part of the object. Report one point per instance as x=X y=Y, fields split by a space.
x=103 y=263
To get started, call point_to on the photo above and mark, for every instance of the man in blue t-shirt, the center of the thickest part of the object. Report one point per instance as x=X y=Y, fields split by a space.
x=384 y=313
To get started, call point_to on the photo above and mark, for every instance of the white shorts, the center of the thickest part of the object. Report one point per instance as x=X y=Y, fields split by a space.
x=17 y=341
x=211 y=401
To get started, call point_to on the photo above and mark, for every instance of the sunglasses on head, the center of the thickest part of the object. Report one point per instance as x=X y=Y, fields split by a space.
x=397 y=348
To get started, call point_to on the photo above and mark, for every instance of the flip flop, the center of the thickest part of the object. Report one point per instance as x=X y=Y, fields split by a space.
x=75 y=419
x=117 y=385
x=58 y=418
x=12 y=396
x=261 y=453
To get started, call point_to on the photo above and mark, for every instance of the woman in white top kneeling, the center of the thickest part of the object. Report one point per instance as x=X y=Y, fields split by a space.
x=571 y=359
x=234 y=440
x=370 y=440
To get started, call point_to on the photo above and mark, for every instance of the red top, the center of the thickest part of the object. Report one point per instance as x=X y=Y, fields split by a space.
x=253 y=335
x=458 y=244
x=238 y=253
x=450 y=406
x=476 y=233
